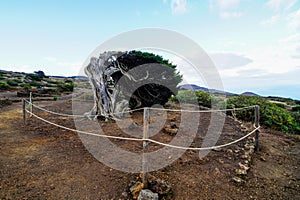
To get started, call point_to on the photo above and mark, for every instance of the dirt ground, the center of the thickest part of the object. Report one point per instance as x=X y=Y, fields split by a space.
x=40 y=161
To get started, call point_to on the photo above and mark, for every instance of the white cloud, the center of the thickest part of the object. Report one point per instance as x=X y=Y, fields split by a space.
x=227 y=4
x=277 y=5
x=296 y=55
x=293 y=44
x=69 y=68
x=178 y=6
x=294 y=20
x=271 y=21
x=228 y=15
x=291 y=39
x=229 y=60
x=227 y=8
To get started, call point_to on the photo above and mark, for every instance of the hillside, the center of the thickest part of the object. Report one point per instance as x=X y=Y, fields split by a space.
x=38 y=83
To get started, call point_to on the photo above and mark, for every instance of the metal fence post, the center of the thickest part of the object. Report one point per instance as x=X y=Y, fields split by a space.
x=24 y=110
x=256 y=125
x=145 y=147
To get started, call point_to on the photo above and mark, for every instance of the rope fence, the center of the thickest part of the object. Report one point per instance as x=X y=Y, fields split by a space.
x=142 y=139
x=146 y=120
x=146 y=116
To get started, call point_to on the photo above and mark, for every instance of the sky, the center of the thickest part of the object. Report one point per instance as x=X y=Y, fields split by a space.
x=254 y=44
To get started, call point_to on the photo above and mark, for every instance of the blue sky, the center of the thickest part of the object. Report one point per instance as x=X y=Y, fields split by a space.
x=254 y=44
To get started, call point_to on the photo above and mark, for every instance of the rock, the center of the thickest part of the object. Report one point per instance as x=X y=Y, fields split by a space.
x=173 y=125
x=241 y=172
x=244 y=129
x=243 y=167
x=136 y=189
x=247 y=147
x=217 y=171
x=251 y=150
x=171 y=131
x=147 y=195
x=173 y=118
x=229 y=151
x=262 y=158
x=237 y=180
x=125 y=195
x=236 y=151
x=52 y=187
x=159 y=186
x=245 y=156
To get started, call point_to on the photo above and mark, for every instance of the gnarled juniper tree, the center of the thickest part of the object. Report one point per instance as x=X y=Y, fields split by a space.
x=129 y=80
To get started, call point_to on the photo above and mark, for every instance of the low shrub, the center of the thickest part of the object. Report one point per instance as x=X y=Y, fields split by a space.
x=201 y=97
x=3 y=86
x=296 y=109
x=271 y=115
x=34 y=77
x=66 y=87
x=35 y=83
x=12 y=82
x=26 y=86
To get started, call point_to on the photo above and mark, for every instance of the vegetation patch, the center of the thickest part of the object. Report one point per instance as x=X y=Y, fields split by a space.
x=272 y=114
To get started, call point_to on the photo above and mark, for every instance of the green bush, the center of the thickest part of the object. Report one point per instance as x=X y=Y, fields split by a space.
x=3 y=86
x=281 y=105
x=26 y=86
x=12 y=82
x=2 y=77
x=35 y=83
x=51 y=81
x=66 y=87
x=296 y=109
x=186 y=96
x=271 y=115
x=202 y=98
x=34 y=77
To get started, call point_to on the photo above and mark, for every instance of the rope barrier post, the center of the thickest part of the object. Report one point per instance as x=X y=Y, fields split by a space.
x=145 y=148
x=24 y=110
x=30 y=103
x=256 y=125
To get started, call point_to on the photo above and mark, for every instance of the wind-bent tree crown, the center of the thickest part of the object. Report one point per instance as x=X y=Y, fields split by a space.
x=134 y=79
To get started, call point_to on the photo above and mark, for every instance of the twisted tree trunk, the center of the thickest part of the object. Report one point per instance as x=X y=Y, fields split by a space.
x=111 y=98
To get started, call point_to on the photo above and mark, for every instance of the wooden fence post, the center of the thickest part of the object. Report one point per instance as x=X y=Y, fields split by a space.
x=30 y=104
x=256 y=125
x=145 y=148
x=24 y=110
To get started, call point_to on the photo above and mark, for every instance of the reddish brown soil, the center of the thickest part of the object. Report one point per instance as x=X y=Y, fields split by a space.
x=40 y=161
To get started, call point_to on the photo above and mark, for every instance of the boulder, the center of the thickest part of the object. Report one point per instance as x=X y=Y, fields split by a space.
x=147 y=195
x=136 y=189
x=159 y=186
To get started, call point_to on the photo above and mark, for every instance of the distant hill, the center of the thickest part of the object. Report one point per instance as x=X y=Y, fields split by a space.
x=193 y=87
x=249 y=94
x=38 y=83
x=73 y=77
x=196 y=87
